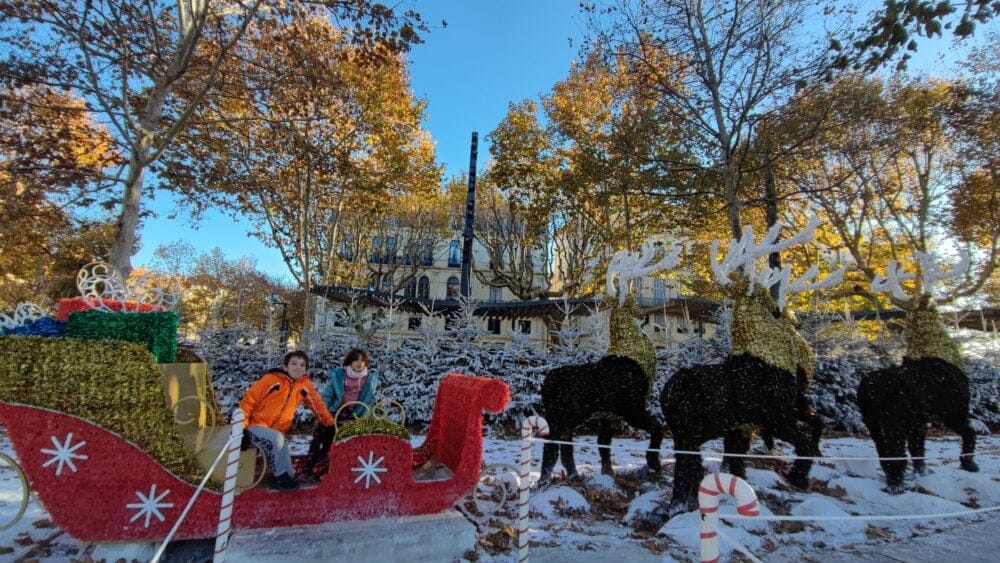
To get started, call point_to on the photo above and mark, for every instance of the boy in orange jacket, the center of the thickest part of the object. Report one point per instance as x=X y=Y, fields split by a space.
x=269 y=406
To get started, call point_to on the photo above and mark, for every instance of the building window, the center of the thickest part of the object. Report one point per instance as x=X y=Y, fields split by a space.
x=493 y=325
x=376 y=250
x=684 y=327
x=389 y=255
x=452 y=288
x=346 y=249
x=659 y=290
x=524 y=327
x=496 y=293
x=424 y=288
x=411 y=289
x=413 y=323
x=500 y=250
x=426 y=253
x=454 y=254
x=373 y=281
x=386 y=282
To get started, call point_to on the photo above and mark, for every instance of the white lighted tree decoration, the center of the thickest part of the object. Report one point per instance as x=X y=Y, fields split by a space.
x=745 y=253
x=100 y=282
x=24 y=314
x=627 y=266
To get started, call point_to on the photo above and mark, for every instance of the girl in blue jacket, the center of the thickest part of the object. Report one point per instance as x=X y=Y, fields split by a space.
x=353 y=381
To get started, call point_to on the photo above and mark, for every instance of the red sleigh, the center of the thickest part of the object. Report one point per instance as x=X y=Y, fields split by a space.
x=99 y=487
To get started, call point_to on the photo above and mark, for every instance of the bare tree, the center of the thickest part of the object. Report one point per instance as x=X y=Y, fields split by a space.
x=128 y=59
x=719 y=67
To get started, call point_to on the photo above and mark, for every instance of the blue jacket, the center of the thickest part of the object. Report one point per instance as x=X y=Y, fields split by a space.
x=333 y=394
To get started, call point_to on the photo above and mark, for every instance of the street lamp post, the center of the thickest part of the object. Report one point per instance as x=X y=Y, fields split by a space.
x=275 y=300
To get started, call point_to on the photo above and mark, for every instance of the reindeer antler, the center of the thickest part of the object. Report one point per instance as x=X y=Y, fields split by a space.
x=932 y=272
x=628 y=266
x=744 y=253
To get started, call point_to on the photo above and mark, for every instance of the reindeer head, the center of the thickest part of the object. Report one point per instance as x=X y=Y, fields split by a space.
x=625 y=336
x=739 y=267
x=759 y=327
x=925 y=333
x=627 y=266
x=922 y=295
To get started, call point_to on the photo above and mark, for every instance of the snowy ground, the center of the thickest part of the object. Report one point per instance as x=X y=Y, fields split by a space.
x=606 y=518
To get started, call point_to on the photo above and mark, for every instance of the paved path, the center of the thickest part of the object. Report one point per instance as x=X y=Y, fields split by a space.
x=976 y=542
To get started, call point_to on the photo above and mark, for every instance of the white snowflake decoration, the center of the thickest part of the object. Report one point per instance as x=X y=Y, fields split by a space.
x=64 y=454
x=26 y=313
x=369 y=469
x=99 y=282
x=150 y=505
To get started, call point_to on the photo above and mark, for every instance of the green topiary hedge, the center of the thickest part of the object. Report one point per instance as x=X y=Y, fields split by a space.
x=156 y=331
x=370 y=425
x=114 y=384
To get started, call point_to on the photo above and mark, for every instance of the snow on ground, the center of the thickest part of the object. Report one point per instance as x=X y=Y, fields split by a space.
x=603 y=518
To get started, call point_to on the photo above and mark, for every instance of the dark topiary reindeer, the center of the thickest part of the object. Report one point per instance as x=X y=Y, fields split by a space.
x=896 y=403
x=618 y=384
x=763 y=382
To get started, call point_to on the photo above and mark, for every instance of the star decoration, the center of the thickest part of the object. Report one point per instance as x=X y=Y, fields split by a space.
x=150 y=505
x=369 y=469
x=64 y=454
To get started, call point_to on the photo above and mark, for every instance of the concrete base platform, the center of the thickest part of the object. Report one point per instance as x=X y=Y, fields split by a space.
x=432 y=538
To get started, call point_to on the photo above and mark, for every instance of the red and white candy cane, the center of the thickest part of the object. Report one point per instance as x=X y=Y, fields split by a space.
x=229 y=487
x=530 y=426
x=709 y=492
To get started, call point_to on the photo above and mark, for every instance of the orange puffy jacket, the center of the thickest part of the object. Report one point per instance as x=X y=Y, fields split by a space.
x=272 y=401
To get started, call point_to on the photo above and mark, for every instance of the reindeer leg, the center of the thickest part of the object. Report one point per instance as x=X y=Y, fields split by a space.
x=550 y=454
x=915 y=437
x=893 y=445
x=645 y=421
x=688 y=473
x=604 y=434
x=566 y=453
x=804 y=437
x=736 y=441
x=959 y=422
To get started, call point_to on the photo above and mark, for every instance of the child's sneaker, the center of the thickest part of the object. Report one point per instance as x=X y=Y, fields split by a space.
x=282 y=483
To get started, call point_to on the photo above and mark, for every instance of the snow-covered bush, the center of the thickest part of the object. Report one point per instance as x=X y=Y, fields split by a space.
x=410 y=368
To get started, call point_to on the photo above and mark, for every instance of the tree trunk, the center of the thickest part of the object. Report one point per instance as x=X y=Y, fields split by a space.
x=771 y=215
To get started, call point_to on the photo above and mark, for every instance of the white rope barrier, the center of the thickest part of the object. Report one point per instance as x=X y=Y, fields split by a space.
x=666 y=452
x=871 y=518
x=229 y=487
x=530 y=426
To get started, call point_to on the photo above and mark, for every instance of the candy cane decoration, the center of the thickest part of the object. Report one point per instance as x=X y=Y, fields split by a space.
x=711 y=487
x=530 y=426
x=229 y=488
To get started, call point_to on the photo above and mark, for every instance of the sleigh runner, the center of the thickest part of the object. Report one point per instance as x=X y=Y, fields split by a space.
x=99 y=487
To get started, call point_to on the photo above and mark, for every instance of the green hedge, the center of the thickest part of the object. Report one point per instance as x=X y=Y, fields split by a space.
x=114 y=384
x=156 y=331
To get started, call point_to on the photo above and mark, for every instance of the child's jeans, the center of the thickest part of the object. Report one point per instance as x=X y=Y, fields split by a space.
x=273 y=445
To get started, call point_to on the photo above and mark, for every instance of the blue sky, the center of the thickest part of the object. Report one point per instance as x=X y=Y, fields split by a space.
x=492 y=52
